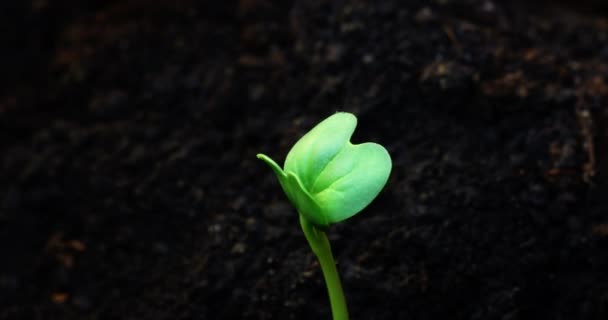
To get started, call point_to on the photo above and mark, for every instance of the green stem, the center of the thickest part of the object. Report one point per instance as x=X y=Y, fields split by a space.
x=320 y=246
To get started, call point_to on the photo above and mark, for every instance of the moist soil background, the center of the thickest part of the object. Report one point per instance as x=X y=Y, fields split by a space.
x=129 y=186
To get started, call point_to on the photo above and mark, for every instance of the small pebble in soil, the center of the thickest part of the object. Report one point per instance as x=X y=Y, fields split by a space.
x=424 y=15
x=238 y=248
x=161 y=248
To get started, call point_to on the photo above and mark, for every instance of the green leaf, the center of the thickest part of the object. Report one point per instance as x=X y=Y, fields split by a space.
x=311 y=154
x=352 y=180
x=294 y=190
x=329 y=179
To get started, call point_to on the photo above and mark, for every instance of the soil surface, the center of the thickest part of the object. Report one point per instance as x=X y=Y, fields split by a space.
x=129 y=186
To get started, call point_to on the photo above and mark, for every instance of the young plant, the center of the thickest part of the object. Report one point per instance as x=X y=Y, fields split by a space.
x=328 y=179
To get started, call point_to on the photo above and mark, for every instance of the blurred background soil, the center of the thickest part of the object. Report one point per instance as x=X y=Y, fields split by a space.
x=129 y=187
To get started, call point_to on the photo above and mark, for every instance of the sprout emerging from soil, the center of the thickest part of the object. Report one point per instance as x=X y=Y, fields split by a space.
x=328 y=179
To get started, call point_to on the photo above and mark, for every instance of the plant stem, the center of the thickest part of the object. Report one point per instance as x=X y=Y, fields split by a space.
x=317 y=239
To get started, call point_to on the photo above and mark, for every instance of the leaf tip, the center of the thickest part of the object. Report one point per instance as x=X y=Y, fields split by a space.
x=273 y=165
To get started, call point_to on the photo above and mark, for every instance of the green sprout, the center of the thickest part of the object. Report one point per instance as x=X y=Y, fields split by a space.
x=328 y=179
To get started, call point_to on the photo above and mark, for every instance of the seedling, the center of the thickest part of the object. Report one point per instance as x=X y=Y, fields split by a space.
x=328 y=179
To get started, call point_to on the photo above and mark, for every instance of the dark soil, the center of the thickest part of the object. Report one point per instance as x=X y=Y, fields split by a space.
x=129 y=187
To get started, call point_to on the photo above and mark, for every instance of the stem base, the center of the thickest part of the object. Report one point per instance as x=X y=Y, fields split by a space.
x=317 y=239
